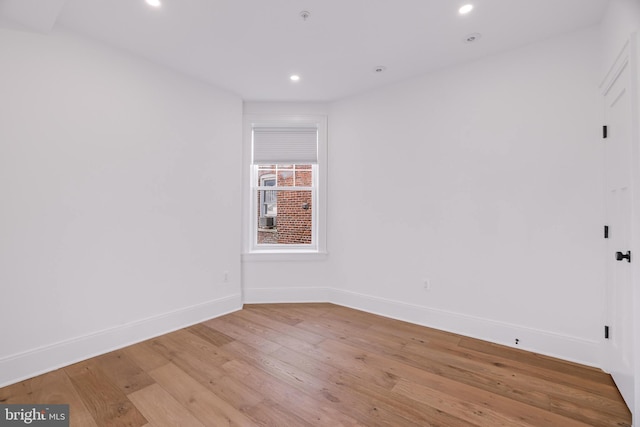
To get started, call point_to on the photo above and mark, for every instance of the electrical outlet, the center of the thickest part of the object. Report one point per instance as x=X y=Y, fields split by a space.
x=426 y=283
x=225 y=277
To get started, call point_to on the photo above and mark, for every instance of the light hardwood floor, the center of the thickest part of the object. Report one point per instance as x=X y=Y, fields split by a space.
x=324 y=365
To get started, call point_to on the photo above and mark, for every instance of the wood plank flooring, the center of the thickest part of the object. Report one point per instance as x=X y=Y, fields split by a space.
x=324 y=365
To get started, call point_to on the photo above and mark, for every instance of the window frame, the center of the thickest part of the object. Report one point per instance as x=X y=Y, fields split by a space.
x=251 y=249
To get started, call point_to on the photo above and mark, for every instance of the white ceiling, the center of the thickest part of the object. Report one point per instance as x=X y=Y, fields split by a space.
x=252 y=46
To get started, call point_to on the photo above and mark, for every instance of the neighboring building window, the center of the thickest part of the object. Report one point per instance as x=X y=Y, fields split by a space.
x=268 y=198
x=284 y=176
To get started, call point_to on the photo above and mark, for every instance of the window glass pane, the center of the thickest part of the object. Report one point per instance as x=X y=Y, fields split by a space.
x=285 y=178
x=269 y=200
x=285 y=217
x=304 y=178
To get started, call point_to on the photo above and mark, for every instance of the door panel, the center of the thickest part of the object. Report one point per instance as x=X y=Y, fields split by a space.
x=619 y=202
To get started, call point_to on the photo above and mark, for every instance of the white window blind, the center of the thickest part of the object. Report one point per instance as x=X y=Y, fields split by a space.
x=285 y=145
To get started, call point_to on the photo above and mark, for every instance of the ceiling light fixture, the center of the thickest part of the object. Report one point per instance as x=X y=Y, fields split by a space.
x=295 y=78
x=305 y=15
x=154 y=3
x=465 y=9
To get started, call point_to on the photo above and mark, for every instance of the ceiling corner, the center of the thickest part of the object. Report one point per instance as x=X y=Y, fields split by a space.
x=34 y=15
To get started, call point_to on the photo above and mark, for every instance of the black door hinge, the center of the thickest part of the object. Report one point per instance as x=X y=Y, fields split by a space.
x=604 y=132
x=606 y=231
x=606 y=332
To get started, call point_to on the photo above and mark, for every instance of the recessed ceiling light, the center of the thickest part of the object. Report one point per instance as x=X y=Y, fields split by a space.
x=465 y=9
x=154 y=3
x=294 y=78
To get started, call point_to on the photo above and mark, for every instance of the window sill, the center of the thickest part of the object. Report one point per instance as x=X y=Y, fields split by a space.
x=284 y=256
x=267 y=230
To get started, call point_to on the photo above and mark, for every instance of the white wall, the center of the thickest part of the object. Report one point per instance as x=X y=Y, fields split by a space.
x=120 y=200
x=485 y=179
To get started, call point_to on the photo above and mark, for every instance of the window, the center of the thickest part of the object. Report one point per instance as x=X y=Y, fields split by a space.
x=285 y=194
x=286 y=191
x=268 y=198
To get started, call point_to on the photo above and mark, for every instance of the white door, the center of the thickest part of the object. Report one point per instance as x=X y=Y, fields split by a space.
x=618 y=91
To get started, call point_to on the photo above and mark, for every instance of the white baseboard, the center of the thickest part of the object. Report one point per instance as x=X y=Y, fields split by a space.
x=277 y=295
x=543 y=342
x=34 y=362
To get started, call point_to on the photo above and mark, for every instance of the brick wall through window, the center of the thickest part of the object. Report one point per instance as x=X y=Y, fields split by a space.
x=294 y=212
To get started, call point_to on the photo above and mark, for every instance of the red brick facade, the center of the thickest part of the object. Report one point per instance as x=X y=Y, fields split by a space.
x=293 y=221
